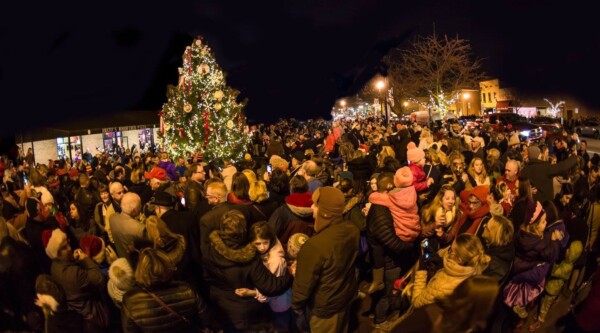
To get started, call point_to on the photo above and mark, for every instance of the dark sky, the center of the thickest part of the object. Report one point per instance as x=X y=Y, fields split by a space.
x=289 y=58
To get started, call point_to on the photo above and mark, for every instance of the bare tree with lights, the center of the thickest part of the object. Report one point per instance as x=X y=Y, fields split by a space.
x=202 y=113
x=433 y=67
x=554 y=108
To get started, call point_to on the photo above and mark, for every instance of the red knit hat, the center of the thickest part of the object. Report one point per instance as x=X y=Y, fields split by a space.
x=480 y=192
x=403 y=177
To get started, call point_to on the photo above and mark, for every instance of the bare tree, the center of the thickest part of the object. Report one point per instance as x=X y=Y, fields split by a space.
x=434 y=67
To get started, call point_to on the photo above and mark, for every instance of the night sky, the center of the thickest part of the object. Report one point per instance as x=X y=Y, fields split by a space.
x=289 y=58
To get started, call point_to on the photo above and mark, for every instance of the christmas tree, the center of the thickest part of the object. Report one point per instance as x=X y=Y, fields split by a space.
x=201 y=113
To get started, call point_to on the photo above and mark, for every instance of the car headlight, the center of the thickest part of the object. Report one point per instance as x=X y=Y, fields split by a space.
x=525 y=133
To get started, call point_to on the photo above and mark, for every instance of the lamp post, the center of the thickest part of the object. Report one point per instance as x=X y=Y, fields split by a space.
x=466 y=97
x=379 y=85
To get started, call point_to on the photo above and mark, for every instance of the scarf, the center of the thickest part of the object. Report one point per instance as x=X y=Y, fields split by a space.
x=469 y=222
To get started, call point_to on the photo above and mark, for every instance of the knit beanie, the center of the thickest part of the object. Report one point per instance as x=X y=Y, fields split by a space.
x=295 y=242
x=330 y=202
x=52 y=239
x=413 y=153
x=403 y=177
x=533 y=152
x=93 y=247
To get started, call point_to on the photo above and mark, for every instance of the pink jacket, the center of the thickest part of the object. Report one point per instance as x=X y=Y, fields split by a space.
x=402 y=203
x=419 y=177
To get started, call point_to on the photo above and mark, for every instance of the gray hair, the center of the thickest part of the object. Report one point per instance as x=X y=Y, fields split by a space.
x=131 y=204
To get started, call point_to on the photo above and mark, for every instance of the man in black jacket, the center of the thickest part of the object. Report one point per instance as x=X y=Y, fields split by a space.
x=399 y=256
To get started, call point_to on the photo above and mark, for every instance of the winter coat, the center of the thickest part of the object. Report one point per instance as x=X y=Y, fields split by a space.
x=501 y=260
x=194 y=193
x=325 y=279
x=533 y=257
x=402 y=203
x=362 y=168
x=125 y=231
x=33 y=234
x=561 y=272
x=380 y=231
x=170 y=169
x=353 y=213
x=541 y=173
x=470 y=222
x=212 y=219
x=229 y=267
x=297 y=208
x=142 y=313
x=419 y=178
x=84 y=286
x=441 y=284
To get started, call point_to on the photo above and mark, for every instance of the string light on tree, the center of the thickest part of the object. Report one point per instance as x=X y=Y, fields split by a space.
x=202 y=114
x=554 y=108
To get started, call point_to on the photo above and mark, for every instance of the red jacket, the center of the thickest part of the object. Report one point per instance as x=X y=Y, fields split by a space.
x=419 y=177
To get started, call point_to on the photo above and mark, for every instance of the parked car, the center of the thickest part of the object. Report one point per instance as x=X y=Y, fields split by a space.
x=590 y=127
x=556 y=122
x=553 y=132
x=502 y=122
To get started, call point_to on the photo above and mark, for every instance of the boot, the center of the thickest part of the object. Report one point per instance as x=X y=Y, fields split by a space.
x=377 y=283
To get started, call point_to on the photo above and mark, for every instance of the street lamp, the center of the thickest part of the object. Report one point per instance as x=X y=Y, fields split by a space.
x=379 y=85
x=466 y=97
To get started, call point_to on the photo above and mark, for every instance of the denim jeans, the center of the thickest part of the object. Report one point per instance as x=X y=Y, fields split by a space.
x=383 y=306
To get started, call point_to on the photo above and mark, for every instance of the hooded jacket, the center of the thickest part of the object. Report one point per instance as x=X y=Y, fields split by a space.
x=231 y=266
x=402 y=203
x=441 y=284
x=295 y=213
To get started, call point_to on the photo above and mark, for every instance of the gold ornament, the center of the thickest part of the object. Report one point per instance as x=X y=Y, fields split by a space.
x=167 y=126
x=218 y=95
x=173 y=146
x=198 y=42
x=218 y=106
x=187 y=108
x=180 y=70
x=230 y=124
x=203 y=69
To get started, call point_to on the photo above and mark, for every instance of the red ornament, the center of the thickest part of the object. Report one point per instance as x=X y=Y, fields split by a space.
x=181 y=134
x=205 y=116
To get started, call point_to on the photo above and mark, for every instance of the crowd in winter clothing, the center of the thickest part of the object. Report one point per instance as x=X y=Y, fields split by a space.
x=441 y=227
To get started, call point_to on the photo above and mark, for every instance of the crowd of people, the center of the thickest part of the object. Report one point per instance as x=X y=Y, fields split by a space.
x=441 y=228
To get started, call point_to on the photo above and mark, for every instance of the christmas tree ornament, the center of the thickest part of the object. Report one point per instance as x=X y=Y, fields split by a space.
x=203 y=69
x=180 y=70
x=218 y=106
x=187 y=108
x=218 y=95
x=181 y=134
x=230 y=124
x=198 y=42
x=167 y=126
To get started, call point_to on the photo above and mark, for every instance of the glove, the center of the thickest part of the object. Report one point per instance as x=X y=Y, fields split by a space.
x=301 y=322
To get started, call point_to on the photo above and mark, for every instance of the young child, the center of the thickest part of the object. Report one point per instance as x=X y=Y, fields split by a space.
x=416 y=157
x=402 y=203
x=269 y=247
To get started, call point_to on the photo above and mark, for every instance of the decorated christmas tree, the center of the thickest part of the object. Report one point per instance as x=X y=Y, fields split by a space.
x=202 y=114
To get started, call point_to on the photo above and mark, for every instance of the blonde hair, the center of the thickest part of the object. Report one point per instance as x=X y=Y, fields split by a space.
x=471 y=253
x=481 y=178
x=429 y=211
x=258 y=191
x=385 y=152
x=250 y=175
x=503 y=233
x=154 y=267
x=438 y=157
x=158 y=232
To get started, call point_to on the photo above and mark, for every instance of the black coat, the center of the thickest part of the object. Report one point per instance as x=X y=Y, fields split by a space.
x=142 y=313
x=184 y=223
x=380 y=230
x=229 y=267
x=502 y=258
x=540 y=174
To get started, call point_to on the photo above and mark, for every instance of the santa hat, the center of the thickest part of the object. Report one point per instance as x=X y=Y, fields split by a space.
x=413 y=153
x=93 y=247
x=403 y=177
x=52 y=239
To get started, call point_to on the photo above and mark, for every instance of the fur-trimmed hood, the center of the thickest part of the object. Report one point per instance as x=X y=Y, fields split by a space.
x=232 y=256
x=350 y=203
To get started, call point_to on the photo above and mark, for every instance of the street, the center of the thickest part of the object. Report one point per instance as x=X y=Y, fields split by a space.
x=593 y=145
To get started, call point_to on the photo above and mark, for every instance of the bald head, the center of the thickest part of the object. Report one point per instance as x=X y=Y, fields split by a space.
x=511 y=171
x=131 y=204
